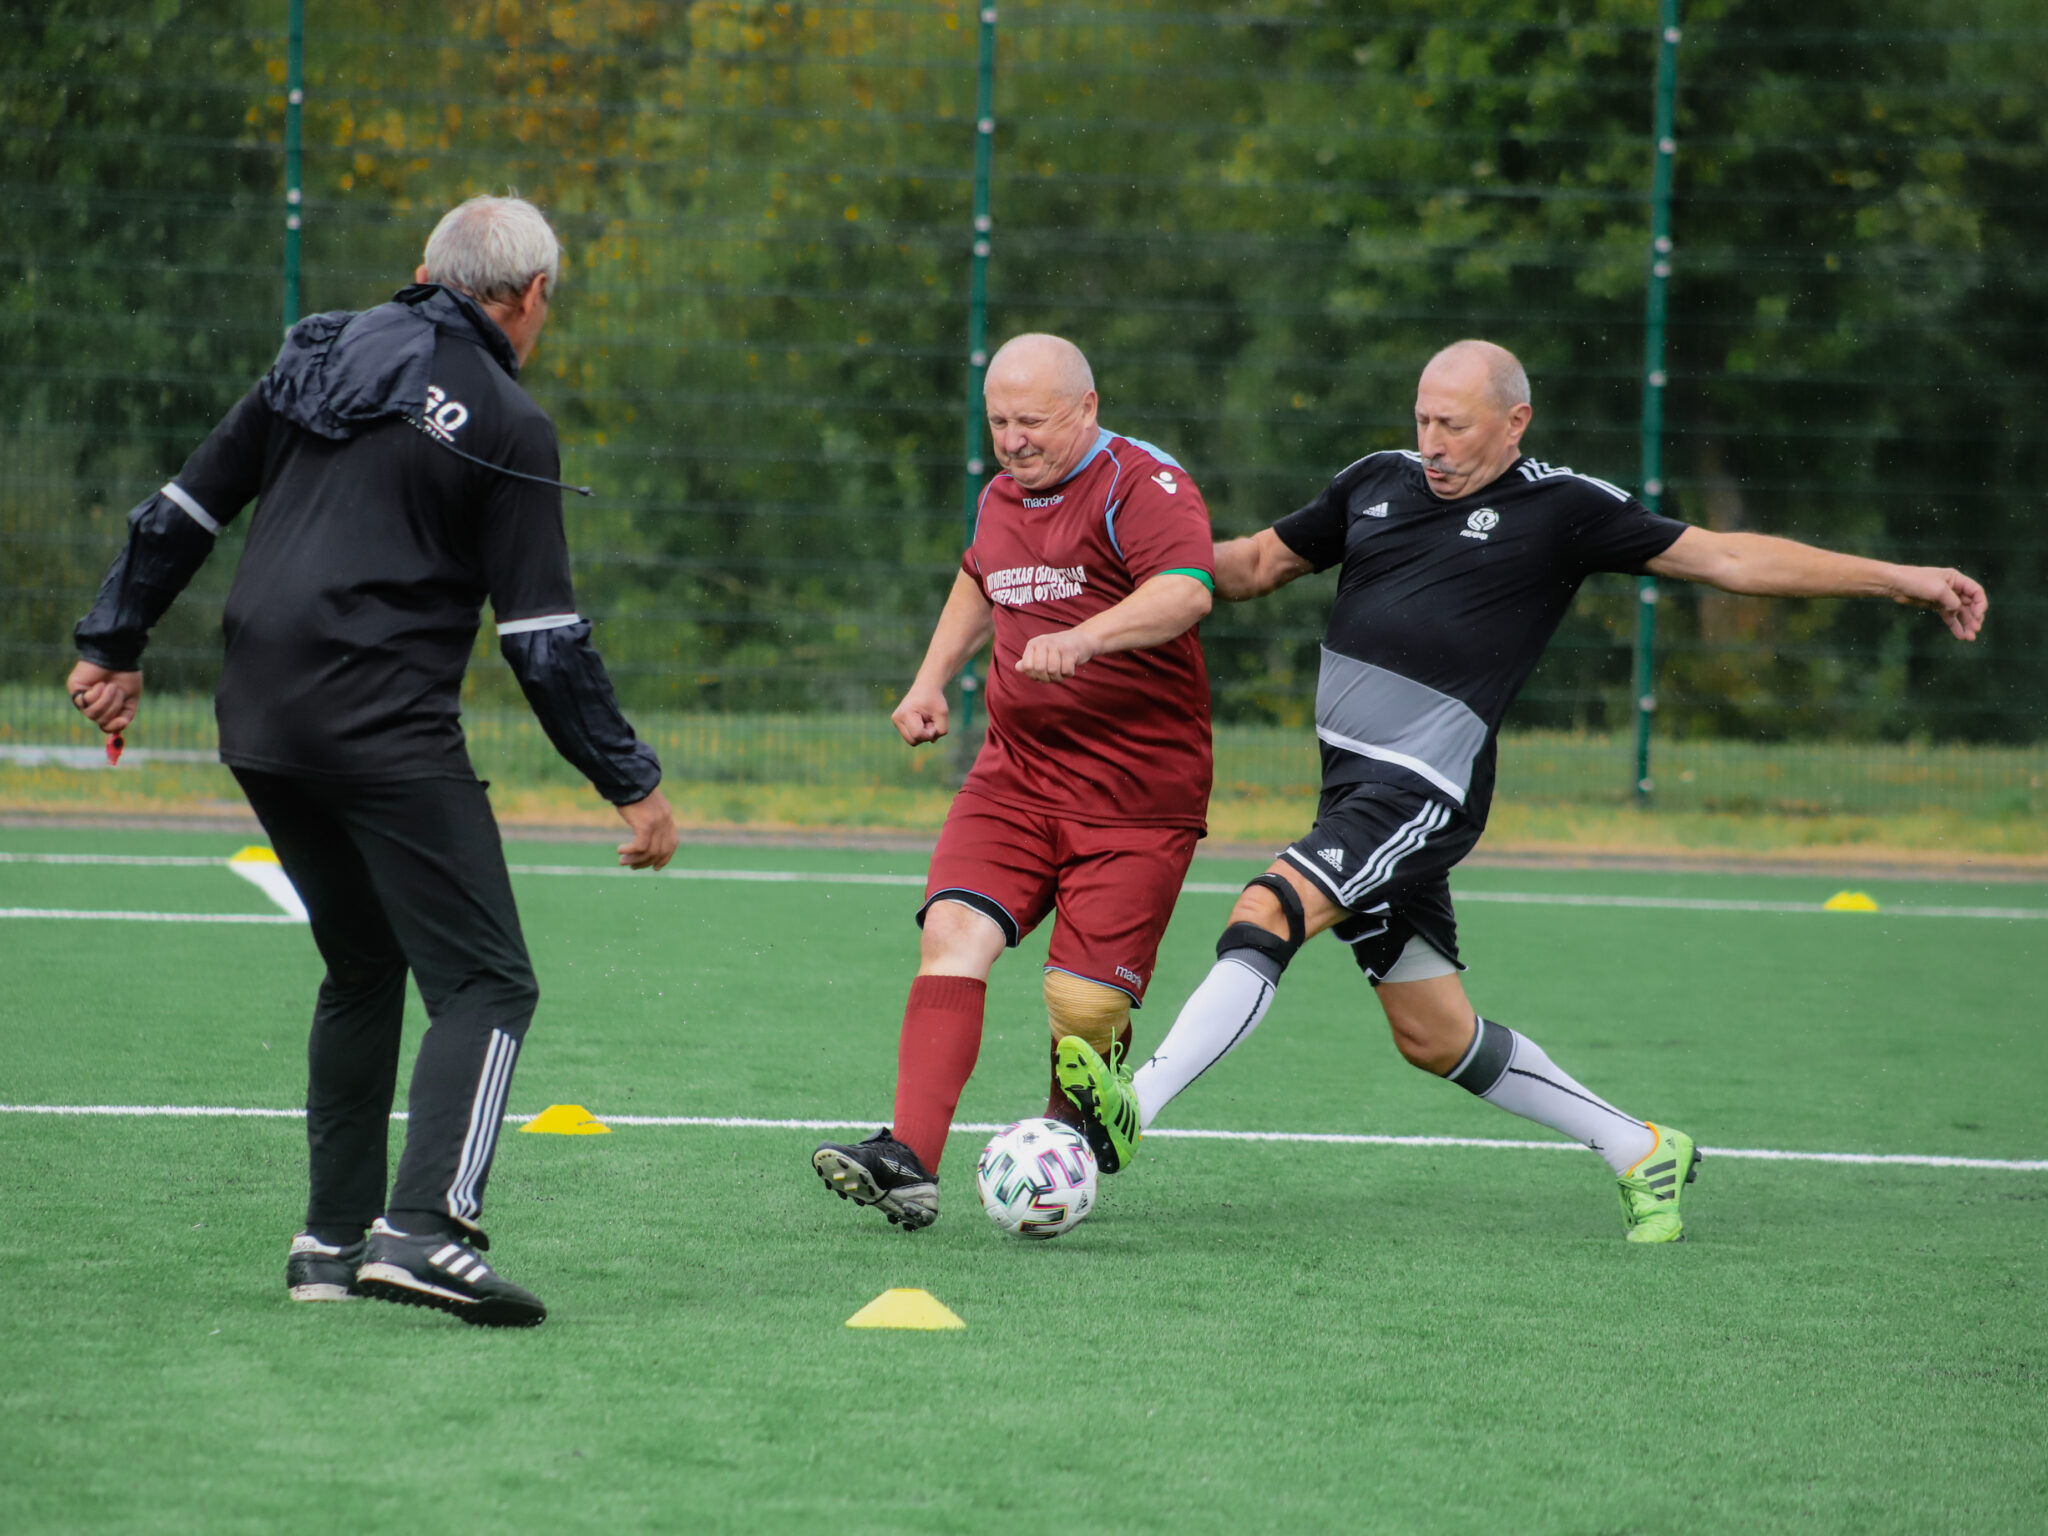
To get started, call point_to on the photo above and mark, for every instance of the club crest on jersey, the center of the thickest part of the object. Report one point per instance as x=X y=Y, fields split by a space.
x=1165 y=481
x=1023 y=584
x=1377 y=509
x=1334 y=857
x=1481 y=523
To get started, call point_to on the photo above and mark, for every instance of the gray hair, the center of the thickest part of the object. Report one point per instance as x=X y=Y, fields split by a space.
x=1506 y=380
x=491 y=248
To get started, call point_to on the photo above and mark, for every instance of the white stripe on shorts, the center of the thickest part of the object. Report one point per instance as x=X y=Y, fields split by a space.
x=1379 y=868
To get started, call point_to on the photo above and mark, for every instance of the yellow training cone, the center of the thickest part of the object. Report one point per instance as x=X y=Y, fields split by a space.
x=905 y=1307
x=1848 y=901
x=567 y=1120
x=259 y=866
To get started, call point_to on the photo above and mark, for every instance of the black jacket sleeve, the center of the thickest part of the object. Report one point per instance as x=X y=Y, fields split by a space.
x=171 y=534
x=564 y=680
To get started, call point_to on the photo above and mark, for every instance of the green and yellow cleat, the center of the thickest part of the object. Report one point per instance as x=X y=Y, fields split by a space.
x=1103 y=1095
x=1650 y=1191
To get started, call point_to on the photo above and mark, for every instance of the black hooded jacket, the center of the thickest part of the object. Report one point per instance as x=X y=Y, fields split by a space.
x=376 y=542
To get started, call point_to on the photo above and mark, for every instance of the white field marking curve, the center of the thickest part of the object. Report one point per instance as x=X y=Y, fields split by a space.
x=1298 y=1138
x=1191 y=888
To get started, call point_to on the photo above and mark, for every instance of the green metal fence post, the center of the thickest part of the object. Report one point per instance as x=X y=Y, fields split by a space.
x=977 y=327
x=294 y=112
x=1653 y=376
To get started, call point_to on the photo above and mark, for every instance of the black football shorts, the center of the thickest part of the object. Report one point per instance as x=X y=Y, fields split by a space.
x=1385 y=853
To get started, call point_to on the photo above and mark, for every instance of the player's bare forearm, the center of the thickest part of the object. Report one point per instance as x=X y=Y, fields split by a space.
x=1758 y=565
x=1165 y=606
x=1248 y=568
x=964 y=627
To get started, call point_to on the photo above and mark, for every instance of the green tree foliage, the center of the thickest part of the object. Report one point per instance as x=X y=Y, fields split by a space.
x=1259 y=219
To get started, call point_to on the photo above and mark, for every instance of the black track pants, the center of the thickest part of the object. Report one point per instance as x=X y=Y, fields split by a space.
x=401 y=876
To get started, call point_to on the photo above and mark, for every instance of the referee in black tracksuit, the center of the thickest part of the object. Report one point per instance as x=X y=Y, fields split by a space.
x=404 y=479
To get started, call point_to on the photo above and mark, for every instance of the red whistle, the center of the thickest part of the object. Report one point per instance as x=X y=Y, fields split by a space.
x=114 y=747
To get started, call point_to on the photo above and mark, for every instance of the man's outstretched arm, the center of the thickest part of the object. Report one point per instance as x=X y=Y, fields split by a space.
x=1248 y=568
x=964 y=627
x=1757 y=565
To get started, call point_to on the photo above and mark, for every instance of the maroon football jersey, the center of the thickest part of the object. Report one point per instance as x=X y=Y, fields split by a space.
x=1126 y=739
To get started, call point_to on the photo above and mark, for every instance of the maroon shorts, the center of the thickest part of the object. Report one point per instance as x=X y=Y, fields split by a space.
x=1114 y=887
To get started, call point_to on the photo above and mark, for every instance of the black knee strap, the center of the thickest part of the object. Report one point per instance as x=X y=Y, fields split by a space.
x=1290 y=904
x=1266 y=952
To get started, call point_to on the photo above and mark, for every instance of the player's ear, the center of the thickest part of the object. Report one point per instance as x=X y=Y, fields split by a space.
x=1518 y=419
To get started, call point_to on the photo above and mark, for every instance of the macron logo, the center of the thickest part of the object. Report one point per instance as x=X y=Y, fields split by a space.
x=1165 y=481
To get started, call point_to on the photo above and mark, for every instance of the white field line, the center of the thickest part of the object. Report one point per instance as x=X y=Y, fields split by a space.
x=138 y=860
x=1309 y=1138
x=66 y=914
x=1192 y=888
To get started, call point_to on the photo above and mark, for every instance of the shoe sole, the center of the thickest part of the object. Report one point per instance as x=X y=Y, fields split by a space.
x=391 y=1282
x=322 y=1292
x=849 y=1180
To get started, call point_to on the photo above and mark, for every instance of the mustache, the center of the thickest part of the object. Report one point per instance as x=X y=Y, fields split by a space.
x=1441 y=466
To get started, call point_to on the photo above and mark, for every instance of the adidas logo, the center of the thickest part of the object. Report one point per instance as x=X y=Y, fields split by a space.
x=1334 y=857
x=1377 y=509
x=459 y=1262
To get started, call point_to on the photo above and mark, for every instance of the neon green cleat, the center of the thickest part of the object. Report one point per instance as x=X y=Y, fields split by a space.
x=1650 y=1191
x=1103 y=1095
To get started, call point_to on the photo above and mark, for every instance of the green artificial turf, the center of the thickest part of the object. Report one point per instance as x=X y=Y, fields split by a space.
x=1246 y=1337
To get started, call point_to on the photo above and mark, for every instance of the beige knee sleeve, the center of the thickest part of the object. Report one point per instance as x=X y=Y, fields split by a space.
x=1077 y=1006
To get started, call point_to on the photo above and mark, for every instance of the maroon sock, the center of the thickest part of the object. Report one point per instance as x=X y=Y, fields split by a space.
x=935 y=1057
x=1057 y=1105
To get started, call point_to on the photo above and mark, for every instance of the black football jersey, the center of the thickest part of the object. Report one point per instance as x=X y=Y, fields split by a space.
x=1444 y=607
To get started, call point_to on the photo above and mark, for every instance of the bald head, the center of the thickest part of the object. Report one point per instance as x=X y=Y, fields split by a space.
x=1036 y=359
x=1040 y=397
x=1471 y=408
x=1501 y=369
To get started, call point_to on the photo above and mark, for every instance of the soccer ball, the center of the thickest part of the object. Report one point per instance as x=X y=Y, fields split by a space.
x=1037 y=1178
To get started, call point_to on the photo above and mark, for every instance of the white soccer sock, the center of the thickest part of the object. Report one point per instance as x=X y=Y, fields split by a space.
x=1514 y=1072
x=1224 y=1010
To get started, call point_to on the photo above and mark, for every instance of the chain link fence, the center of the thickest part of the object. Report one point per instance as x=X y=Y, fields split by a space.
x=1258 y=220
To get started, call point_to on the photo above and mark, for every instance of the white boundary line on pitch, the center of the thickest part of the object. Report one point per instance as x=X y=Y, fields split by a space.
x=1310 y=1138
x=1191 y=888
x=66 y=914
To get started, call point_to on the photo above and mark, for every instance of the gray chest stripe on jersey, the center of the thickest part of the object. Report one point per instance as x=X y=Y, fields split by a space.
x=1380 y=714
